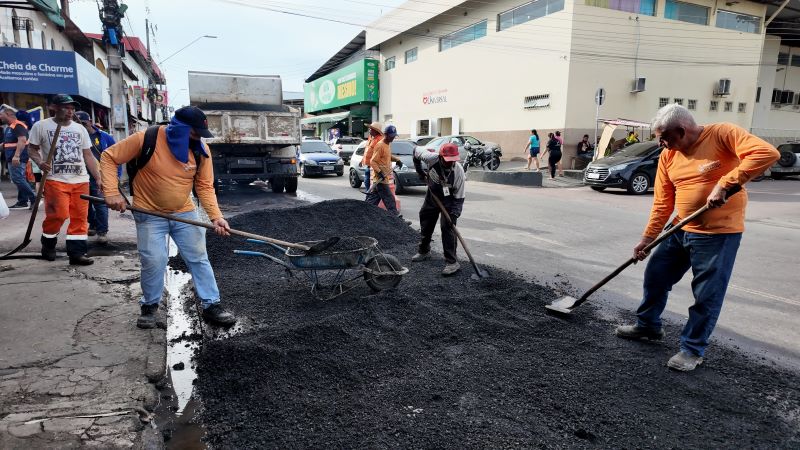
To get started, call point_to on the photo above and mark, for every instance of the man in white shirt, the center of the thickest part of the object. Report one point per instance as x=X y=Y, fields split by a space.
x=67 y=180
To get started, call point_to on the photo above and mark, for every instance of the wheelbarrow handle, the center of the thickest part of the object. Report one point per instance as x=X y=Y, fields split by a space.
x=202 y=224
x=264 y=255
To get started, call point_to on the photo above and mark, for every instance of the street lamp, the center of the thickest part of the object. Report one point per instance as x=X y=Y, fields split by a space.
x=185 y=46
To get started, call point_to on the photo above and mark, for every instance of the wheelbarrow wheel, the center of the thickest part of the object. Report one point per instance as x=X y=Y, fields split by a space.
x=382 y=263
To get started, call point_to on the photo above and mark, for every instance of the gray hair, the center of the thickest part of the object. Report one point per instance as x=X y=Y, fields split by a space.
x=672 y=116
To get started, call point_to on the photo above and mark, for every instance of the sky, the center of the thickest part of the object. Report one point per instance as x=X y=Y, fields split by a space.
x=250 y=39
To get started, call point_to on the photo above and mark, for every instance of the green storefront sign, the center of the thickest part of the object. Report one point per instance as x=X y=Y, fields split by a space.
x=356 y=83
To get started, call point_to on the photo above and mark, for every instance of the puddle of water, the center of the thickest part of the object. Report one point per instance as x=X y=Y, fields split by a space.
x=180 y=323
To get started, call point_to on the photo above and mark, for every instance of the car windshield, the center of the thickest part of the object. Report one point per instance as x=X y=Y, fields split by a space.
x=349 y=140
x=640 y=149
x=315 y=147
x=423 y=141
x=402 y=148
x=472 y=140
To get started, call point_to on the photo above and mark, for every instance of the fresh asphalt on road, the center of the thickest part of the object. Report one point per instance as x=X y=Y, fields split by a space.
x=572 y=237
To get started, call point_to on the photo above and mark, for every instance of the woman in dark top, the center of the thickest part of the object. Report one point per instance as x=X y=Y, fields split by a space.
x=554 y=151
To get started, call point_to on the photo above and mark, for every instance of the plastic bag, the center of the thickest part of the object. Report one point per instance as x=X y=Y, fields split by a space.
x=3 y=207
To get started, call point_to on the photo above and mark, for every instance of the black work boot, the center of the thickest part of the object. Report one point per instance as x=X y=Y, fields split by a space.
x=148 y=318
x=76 y=249
x=636 y=332
x=217 y=315
x=49 y=248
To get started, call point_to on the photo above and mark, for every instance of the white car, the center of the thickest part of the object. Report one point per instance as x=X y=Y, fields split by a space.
x=345 y=146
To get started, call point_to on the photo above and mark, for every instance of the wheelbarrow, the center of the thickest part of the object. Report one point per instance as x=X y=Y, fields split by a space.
x=379 y=270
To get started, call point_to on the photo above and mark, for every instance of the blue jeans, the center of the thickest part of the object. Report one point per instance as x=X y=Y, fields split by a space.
x=151 y=237
x=711 y=258
x=98 y=212
x=25 y=193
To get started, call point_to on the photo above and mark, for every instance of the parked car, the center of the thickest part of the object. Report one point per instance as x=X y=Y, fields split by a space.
x=317 y=158
x=789 y=163
x=460 y=140
x=632 y=168
x=345 y=146
x=404 y=176
x=422 y=140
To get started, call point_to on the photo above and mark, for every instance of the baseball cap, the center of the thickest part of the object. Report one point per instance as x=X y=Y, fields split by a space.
x=83 y=116
x=390 y=131
x=195 y=118
x=64 y=99
x=449 y=152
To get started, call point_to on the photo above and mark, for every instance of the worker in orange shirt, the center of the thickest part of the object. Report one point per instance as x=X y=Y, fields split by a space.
x=179 y=162
x=697 y=167
x=375 y=136
x=380 y=164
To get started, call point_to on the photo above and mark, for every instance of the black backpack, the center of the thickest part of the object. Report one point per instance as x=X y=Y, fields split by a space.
x=148 y=148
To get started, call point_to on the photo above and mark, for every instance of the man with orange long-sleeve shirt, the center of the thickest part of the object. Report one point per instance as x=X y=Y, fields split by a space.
x=178 y=162
x=697 y=167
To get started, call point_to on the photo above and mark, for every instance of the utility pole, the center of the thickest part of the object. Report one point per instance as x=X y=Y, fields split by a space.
x=111 y=16
x=152 y=93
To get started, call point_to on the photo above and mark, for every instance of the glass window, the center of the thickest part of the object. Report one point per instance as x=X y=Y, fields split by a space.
x=390 y=62
x=692 y=105
x=796 y=60
x=758 y=94
x=686 y=12
x=402 y=148
x=679 y=101
x=411 y=55
x=776 y=96
x=528 y=11
x=742 y=107
x=738 y=22
x=435 y=143
x=646 y=7
x=663 y=101
x=472 y=140
x=783 y=59
x=728 y=106
x=315 y=147
x=463 y=36
x=713 y=106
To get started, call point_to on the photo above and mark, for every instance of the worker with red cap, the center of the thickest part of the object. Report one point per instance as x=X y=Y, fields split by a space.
x=446 y=180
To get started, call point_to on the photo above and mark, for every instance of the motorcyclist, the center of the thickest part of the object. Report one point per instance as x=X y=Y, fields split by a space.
x=446 y=180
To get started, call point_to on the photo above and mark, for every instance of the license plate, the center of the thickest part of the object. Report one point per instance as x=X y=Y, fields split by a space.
x=327 y=168
x=247 y=162
x=592 y=176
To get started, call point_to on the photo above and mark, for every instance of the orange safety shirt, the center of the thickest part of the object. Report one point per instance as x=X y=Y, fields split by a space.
x=164 y=183
x=725 y=155
x=381 y=161
x=371 y=142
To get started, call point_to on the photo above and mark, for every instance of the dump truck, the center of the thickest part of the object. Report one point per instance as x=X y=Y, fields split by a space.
x=255 y=134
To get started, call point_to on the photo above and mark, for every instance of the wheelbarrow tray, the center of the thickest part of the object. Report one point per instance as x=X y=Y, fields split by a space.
x=343 y=259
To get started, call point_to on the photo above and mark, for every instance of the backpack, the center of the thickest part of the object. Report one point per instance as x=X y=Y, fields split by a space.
x=148 y=148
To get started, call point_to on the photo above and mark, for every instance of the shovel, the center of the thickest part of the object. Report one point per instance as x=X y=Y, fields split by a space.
x=320 y=246
x=27 y=239
x=479 y=273
x=566 y=304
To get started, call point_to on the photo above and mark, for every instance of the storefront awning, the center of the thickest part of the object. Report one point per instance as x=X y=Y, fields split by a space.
x=325 y=118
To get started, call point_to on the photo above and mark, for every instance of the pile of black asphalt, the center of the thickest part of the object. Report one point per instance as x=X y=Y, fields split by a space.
x=456 y=363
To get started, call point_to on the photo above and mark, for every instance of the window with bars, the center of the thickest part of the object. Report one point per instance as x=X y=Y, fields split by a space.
x=663 y=101
x=728 y=106
x=692 y=105
x=411 y=55
x=462 y=36
x=713 y=106
x=537 y=101
x=678 y=101
x=390 y=63
x=738 y=22
x=742 y=107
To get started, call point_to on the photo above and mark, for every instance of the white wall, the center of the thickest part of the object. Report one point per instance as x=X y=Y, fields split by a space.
x=40 y=23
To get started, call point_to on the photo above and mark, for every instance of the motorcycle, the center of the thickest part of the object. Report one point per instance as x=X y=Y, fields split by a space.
x=481 y=157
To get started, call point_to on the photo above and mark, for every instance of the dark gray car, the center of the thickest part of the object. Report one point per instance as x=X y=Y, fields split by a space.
x=404 y=176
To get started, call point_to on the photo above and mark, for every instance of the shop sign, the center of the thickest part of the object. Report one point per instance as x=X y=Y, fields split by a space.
x=356 y=83
x=35 y=71
x=434 y=97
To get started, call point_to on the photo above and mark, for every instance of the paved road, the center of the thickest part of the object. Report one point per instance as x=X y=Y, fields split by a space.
x=575 y=234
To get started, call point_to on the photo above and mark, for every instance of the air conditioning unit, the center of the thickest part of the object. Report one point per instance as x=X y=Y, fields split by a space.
x=638 y=85
x=723 y=87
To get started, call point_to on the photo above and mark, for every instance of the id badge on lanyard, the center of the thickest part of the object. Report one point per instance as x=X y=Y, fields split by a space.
x=446 y=191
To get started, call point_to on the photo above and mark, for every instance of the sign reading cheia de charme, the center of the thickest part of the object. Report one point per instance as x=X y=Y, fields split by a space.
x=356 y=83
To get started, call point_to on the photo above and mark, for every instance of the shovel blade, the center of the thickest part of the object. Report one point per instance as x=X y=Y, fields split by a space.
x=480 y=274
x=563 y=305
x=321 y=246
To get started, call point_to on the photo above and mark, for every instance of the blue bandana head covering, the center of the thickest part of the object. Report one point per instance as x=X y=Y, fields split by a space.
x=180 y=143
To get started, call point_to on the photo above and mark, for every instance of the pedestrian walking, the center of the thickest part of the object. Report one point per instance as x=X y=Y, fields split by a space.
x=15 y=148
x=375 y=136
x=380 y=164
x=697 y=167
x=553 y=152
x=447 y=181
x=532 y=149
x=178 y=161
x=98 y=212
x=68 y=179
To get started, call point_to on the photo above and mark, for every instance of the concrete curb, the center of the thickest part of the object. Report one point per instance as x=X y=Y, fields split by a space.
x=526 y=178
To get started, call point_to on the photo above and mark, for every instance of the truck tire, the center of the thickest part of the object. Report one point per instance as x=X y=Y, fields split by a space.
x=277 y=185
x=291 y=185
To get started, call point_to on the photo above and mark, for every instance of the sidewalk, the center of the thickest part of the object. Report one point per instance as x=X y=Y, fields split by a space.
x=74 y=369
x=571 y=178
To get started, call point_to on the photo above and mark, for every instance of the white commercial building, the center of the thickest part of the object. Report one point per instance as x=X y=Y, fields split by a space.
x=498 y=69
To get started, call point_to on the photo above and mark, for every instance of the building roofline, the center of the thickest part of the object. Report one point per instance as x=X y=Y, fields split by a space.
x=405 y=17
x=351 y=47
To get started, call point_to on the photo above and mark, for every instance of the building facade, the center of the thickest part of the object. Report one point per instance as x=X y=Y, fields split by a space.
x=498 y=69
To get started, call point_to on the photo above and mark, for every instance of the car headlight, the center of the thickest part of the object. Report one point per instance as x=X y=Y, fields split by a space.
x=310 y=162
x=340 y=161
x=618 y=167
